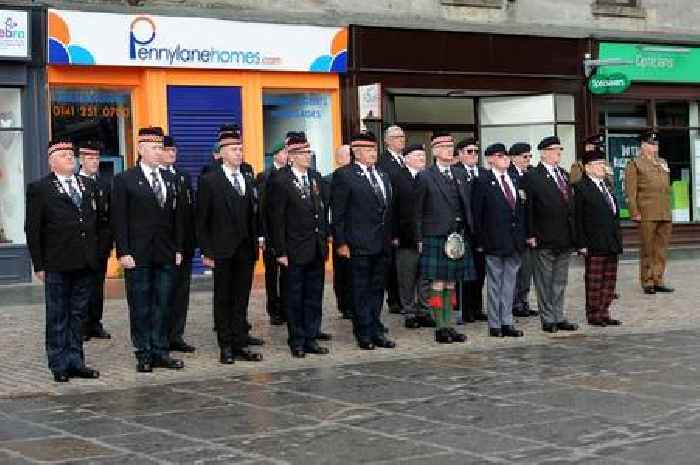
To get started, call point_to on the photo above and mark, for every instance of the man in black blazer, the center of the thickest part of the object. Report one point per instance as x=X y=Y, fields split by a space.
x=148 y=224
x=362 y=226
x=299 y=232
x=227 y=230
x=499 y=229
x=275 y=275
x=550 y=214
x=391 y=163
x=63 y=224
x=470 y=297
x=89 y=152
x=183 y=272
x=520 y=155
x=598 y=237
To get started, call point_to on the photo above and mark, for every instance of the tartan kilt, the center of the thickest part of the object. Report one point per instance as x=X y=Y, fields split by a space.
x=435 y=265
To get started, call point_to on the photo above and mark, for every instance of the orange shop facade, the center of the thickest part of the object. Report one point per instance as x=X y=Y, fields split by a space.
x=110 y=74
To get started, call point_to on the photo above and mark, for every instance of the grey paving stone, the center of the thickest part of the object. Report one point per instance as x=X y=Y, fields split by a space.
x=6 y=458
x=678 y=450
x=473 y=440
x=122 y=459
x=13 y=429
x=206 y=456
x=151 y=442
x=55 y=449
x=96 y=427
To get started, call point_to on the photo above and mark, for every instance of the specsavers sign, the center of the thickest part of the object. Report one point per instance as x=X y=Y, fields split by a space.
x=86 y=38
x=652 y=63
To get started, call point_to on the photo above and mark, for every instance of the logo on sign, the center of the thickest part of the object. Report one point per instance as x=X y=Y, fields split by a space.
x=10 y=30
x=613 y=84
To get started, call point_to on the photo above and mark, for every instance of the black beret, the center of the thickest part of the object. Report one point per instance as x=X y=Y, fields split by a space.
x=229 y=134
x=168 y=141
x=89 y=147
x=363 y=139
x=493 y=149
x=649 y=137
x=519 y=148
x=296 y=141
x=548 y=142
x=466 y=143
x=231 y=127
x=413 y=148
x=60 y=143
x=593 y=155
x=596 y=139
x=151 y=134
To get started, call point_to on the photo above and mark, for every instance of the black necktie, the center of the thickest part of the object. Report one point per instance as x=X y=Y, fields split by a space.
x=608 y=197
x=375 y=185
x=447 y=173
x=157 y=189
x=73 y=193
x=305 y=184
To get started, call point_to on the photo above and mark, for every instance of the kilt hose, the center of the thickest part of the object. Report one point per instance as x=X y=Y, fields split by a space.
x=600 y=278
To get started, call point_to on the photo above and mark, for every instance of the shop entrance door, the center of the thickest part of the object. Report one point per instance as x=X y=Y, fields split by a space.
x=194 y=117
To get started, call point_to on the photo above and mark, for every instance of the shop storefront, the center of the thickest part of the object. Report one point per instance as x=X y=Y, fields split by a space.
x=22 y=130
x=659 y=87
x=498 y=88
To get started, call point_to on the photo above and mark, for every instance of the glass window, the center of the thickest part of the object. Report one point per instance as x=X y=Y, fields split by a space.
x=103 y=115
x=672 y=114
x=11 y=168
x=311 y=112
x=529 y=109
x=433 y=110
x=624 y=115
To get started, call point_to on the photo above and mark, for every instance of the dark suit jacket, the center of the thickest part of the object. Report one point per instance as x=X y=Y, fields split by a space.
x=388 y=164
x=263 y=181
x=360 y=219
x=225 y=219
x=60 y=236
x=597 y=227
x=299 y=227
x=142 y=229
x=435 y=215
x=404 y=208
x=550 y=217
x=183 y=182
x=498 y=229
x=104 y=198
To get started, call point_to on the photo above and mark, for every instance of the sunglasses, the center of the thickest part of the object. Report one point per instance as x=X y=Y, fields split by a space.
x=472 y=151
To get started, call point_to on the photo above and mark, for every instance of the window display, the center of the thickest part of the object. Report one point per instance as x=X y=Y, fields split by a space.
x=11 y=168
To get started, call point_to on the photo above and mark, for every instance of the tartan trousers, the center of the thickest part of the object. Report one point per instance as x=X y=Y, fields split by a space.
x=600 y=277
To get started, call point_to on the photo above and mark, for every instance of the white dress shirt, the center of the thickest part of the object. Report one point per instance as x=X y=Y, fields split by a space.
x=300 y=177
x=66 y=180
x=147 y=170
x=365 y=170
x=413 y=172
x=554 y=171
x=91 y=176
x=473 y=171
x=600 y=184
x=234 y=173
x=398 y=158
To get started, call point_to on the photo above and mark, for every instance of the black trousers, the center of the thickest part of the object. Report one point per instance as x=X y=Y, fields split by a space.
x=368 y=281
x=67 y=296
x=472 y=299
x=392 y=281
x=93 y=322
x=275 y=286
x=181 y=301
x=233 y=279
x=304 y=302
x=342 y=283
x=149 y=291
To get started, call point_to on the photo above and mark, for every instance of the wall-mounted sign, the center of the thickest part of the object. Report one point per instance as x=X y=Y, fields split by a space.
x=80 y=38
x=369 y=101
x=14 y=34
x=608 y=84
x=652 y=63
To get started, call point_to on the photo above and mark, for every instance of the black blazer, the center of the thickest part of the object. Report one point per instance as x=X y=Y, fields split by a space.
x=360 y=219
x=404 y=208
x=498 y=229
x=225 y=220
x=389 y=165
x=142 y=229
x=104 y=199
x=434 y=215
x=262 y=182
x=550 y=217
x=60 y=236
x=184 y=184
x=299 y=227
x=597 y=227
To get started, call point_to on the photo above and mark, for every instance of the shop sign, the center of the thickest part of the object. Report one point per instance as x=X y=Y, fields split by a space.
x=652 y=63
x=88 y=38
x=14 y=34
x=370 y=102
x=612 y=84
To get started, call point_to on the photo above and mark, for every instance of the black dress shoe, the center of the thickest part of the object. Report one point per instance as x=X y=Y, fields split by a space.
x=663 y=288
x=602 y=323
x=456 y=337
x=100 y=333
x=481 y=317
x=226 y=357
x=84 y=373
x=384 y=343
x=521 y=313
x=169 y=363
x=612 y=322
x=298 y=352
x=61 y=377
x=182 y=346
x=144 y=367
x=511 y=331
x=366 y=345
x=426 y=321
x=316 y=349
x=324 y=336
x=442 y=336
x=395 y=309
x=495 y=332
x=616 y=296
x=348 y=316
x=550 y=327
x=85 y=337
x=532 y=313
x=567 y=326
x=247 y=355
x=255 y=341
x=650 y=290
x=412 y=323
x=276 y=320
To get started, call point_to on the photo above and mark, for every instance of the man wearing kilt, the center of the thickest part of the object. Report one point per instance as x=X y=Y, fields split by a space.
x=443 y=208
x=598 y=237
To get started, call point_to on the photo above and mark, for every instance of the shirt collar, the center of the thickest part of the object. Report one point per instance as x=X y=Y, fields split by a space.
x=413 y=172
x=442 y=168
x=230 y=171
x=298 y=174
x=551 y=168
x=91 y=176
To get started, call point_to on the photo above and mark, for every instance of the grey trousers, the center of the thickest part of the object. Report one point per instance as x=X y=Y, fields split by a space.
x=501 y=275
x=522 y=287
x=413 y=291
x=551 y=271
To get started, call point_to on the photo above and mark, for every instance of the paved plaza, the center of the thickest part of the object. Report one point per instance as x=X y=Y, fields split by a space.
x=625 y=395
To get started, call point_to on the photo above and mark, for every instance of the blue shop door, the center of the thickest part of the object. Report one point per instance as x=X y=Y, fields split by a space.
x=194 y=117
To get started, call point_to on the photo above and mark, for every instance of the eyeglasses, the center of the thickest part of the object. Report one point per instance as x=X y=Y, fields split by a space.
x=526 y=155
x=555 y=147
x=472 y=151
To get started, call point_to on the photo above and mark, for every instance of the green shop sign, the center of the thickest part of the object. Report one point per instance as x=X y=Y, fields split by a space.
x=613 y=84
x=652 y=63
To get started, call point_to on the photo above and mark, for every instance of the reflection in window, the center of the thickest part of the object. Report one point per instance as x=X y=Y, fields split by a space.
x=11 y=168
